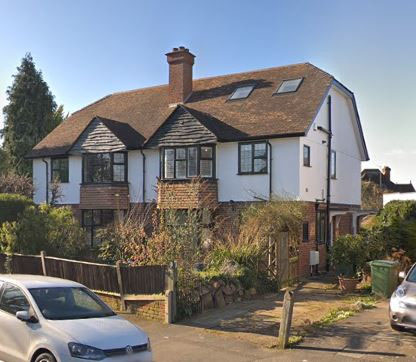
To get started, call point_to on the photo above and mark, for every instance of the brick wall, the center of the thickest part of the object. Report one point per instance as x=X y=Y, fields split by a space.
x=104 y=197
x=148 y=309
x=187 y=194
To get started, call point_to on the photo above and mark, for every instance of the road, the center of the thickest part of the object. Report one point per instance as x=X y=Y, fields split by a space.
x=366 y=336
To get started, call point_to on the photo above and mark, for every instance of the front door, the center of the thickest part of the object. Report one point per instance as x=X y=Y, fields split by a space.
x=15 y=335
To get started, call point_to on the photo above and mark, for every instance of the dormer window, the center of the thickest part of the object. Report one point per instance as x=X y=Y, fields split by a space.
x=242 y=92
x=289 y=86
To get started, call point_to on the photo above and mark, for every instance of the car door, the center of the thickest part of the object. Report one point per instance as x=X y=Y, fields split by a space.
x=15 y=334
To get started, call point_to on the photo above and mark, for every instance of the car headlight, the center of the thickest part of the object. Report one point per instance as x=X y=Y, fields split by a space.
x=401 y=292
x=78 y=350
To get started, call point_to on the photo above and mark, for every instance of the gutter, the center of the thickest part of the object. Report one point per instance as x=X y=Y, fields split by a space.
x=143 y=176
x=47 y=179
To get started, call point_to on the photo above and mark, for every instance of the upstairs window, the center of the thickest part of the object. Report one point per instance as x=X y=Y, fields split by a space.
x=289 y=86
x=333 y=164
x=59 y=169
x=105 y=167
x=252 y=158
x=306 y=156
x=186 y=162
x=242 y=92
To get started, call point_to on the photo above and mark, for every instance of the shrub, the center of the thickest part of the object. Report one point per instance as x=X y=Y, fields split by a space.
x=47 y=228
x=13 y=183
x=11 y=205
x=349 y=254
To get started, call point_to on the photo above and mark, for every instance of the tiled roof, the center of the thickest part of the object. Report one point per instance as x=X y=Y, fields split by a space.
x=262 y=114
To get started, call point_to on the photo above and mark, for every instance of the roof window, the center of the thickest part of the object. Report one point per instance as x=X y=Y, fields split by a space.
x=242 y=92
x=289 y=86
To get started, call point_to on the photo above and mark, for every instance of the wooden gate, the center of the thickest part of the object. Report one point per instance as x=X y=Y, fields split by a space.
x=281 y=261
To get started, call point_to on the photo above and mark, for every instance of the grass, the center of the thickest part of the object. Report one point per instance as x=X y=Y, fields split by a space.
x=294 y=340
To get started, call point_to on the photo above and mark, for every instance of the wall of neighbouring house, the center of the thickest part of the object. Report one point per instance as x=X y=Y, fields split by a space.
x=346 y=188
x=69 y=190
x=285 y=173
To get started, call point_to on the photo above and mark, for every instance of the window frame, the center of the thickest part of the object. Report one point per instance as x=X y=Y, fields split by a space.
x=333 y=165
x=231 y=99
x=253 y=157
x=84 y=170
x=59 y=170
x=198 y=156
x=93 y=226
x=277 y=93
x=308 y=163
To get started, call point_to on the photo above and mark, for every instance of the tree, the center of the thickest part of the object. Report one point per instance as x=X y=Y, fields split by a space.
x=371 y=196
x=29 y=116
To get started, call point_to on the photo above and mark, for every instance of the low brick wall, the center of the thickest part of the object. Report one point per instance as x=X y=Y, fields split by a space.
x=153 y=308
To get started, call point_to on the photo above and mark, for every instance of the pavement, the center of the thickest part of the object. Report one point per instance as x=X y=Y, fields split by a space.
x=367 y=336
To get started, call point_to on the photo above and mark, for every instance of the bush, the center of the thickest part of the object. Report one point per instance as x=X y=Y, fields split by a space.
x=47 y=228
x=11 y=205
x=349 y=254
x=13 y=183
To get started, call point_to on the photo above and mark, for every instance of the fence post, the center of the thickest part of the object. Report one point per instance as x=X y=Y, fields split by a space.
x=286 y=319
x=42 y=258
x=171 y=277
x=120 y=286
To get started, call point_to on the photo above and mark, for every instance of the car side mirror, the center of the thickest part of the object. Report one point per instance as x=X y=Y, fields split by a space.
x=402 y=275
x=25 y=316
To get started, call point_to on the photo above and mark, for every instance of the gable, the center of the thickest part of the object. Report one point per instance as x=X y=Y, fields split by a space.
x=97 y=138
x=180 y=129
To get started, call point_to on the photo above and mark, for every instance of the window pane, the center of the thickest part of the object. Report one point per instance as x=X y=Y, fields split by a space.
x=181 y=154
x=97 y=168
x=206 y=152
x=169 y=163
x=87 y=217
x=305 y=231
x=107 y=217
x=245 y=158
x=306 y=156
x=289 y=86
x=118 y=157
x=13 y=300
x=242 y=92
x=260 y=165
x=259 y=150
x=97 y=217
x=192 y=162
x=333 y=164
x=206 y=168
x=118 y=173
x=181 y=169
x=60 y=169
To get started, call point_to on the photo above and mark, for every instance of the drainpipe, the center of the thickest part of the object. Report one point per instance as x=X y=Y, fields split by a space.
x=270 y=171
x=143 y=176
x=47 y=179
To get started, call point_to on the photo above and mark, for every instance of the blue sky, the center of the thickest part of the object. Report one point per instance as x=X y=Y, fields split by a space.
x=87 y=49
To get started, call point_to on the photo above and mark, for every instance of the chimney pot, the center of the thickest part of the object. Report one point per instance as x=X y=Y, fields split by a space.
x=181 y=61
x=387 y=172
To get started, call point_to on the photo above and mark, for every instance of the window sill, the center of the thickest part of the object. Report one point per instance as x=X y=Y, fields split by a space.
x=251 y=173
x=309 y=166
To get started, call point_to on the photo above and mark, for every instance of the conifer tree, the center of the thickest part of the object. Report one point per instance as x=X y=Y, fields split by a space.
x=29 y=116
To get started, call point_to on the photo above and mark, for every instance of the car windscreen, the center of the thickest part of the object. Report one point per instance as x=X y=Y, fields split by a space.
x=61 y=303
x=412 y=276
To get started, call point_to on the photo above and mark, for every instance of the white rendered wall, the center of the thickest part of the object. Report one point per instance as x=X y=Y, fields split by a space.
x=346 y=188
x=285 y=173
x=135 y=171
x=69 y=190
x=399 y=196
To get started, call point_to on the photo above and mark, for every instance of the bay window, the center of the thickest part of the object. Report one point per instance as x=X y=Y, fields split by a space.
x=104 y=167
x=187 y=162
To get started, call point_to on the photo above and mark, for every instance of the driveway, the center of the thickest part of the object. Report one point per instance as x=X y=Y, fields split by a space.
x=366 y=336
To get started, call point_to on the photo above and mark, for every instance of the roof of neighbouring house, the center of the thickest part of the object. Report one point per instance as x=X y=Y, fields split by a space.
x=377 y=176
x=142 y=112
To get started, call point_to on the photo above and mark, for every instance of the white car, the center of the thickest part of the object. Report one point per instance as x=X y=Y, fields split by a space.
x=46 y=319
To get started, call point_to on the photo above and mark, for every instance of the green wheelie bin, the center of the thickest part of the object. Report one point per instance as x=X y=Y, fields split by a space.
x=384 y=277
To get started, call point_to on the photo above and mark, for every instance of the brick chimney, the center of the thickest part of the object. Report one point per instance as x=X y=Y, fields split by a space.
x=386 y=172
x=180 y=74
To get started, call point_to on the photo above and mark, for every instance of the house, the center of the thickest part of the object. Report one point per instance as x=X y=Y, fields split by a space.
x=383 y=180
x=291 y=130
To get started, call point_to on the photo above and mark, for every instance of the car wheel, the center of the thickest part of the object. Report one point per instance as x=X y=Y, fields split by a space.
x=397 y=328
x=45 y=357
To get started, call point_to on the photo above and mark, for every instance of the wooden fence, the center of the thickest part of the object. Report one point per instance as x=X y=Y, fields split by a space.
x=100 y=277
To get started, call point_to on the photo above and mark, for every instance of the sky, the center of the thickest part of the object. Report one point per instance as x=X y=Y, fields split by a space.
x=87 y=49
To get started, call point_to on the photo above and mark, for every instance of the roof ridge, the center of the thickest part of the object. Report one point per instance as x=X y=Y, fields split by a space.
x=91 y=104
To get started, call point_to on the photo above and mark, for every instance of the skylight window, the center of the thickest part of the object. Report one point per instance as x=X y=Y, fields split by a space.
x=242 y=92
x=289 y=86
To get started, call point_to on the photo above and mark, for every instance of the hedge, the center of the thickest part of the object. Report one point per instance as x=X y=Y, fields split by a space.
x=11 y=205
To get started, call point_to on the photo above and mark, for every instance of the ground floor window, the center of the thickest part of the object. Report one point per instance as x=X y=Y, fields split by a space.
x=321 y=227
x=94 y=220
